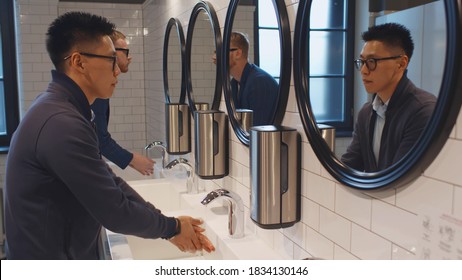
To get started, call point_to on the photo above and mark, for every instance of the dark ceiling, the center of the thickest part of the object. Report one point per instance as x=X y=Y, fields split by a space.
x=107 y=1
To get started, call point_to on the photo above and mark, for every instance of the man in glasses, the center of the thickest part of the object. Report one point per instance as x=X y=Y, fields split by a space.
x=252 y=87
x=387 y=127
x=108 y=146
x=58 y=191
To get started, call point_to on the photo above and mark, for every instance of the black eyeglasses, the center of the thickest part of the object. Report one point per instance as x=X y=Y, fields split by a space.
x=126 y=51
x=113 y=57
x=371 y=63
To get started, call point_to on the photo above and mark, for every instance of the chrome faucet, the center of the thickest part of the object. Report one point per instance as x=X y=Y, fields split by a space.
x=235 y=210
x=163 y=150
x=191 y=185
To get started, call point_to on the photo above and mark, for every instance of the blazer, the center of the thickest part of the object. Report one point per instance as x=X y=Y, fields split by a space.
x=408 y=112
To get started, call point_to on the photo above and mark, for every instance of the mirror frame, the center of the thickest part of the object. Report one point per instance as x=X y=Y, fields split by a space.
x=285 y=71
x=174 y=22
x=432 y=139
x=204 y=6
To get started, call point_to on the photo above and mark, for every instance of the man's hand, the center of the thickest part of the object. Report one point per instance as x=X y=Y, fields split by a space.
x=142 y=164
x=191 y=238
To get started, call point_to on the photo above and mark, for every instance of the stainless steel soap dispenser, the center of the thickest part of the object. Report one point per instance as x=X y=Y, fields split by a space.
x=275 y=170
x=178 y=126
x=211 y=144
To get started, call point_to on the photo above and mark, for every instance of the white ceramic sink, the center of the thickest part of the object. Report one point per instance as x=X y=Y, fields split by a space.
x=169 y=195
x=130 y=174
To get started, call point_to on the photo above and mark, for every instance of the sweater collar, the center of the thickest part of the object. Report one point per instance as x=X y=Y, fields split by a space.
x=74 y=92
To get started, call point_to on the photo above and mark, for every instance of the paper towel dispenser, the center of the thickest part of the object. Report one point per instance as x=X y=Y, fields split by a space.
x=211 y=144
x=275 y=170
x=178 y=126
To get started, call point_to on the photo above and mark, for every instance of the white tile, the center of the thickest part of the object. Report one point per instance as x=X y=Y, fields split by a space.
x=368 y=246
x=458 y=127
x=353 y=205
x=335 y=227
x=387 y=195
x=445 y=167
x=457 y=201
x=342 y=254
x=317 y=245
x=309 y=160
x=295 y=233
x=267 y=235
x=321 y=190
x=310 y=213
x=304 y=182
x=300 y=253
x=283 y=245
x=292 y=13
x=399 y=253
x=395 y=224
x=425 y=193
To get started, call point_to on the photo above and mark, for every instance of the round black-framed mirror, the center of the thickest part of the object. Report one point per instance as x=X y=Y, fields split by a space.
x=173 y=62
x=284 y=73
x=431 y=140
x=204 y=12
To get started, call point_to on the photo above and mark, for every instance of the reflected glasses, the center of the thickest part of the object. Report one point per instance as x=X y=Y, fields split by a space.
x=371 y=63
x=126 y=51
x=113 y=57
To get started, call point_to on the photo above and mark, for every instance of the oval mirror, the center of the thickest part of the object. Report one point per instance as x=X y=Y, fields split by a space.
x=256 y=62
x=323 y=67
x=173 y=62
x=203 y=46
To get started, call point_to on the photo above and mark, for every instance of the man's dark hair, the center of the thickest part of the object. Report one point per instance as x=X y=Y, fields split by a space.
x=391 y=34
x=74 y=28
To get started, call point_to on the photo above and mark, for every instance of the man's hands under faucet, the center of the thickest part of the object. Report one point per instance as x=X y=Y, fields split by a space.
x=191 y=237
x=142 y=164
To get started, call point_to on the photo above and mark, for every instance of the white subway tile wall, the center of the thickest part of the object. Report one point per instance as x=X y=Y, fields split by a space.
x=337 y=222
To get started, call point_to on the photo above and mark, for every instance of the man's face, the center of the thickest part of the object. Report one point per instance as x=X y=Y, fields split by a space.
x=234 y=55
x=123 y=59
x=387 y=73
x=100 y=75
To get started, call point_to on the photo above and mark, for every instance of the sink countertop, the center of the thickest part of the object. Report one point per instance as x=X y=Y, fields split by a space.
x=248 y=247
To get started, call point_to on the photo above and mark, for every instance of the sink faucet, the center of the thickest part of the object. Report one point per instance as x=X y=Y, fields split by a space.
x=191 y=185
x=163 y=150
x=235 y=210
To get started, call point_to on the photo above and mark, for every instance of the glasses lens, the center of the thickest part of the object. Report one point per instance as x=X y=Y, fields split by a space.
x=371 y=64
x=125 y=51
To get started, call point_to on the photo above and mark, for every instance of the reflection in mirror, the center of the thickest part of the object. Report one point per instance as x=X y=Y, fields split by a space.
x=257 y=70
x=174 y=52
x=391 y=113
x=391 y=81
x=203 y=70
x=203 y=43
x=252 y=88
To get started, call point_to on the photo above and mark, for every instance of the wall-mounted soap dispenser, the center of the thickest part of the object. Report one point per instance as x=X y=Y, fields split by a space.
x=211 y=144
x=178 y=126
x=245 y=118
x=201 y=106
x=328 y=134
x=275 y=170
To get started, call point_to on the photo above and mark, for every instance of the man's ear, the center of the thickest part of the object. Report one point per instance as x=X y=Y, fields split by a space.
x=404 y=62
x=77 y=63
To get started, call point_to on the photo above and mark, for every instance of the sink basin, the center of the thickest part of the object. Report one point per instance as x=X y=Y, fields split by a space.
x=169 y=195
